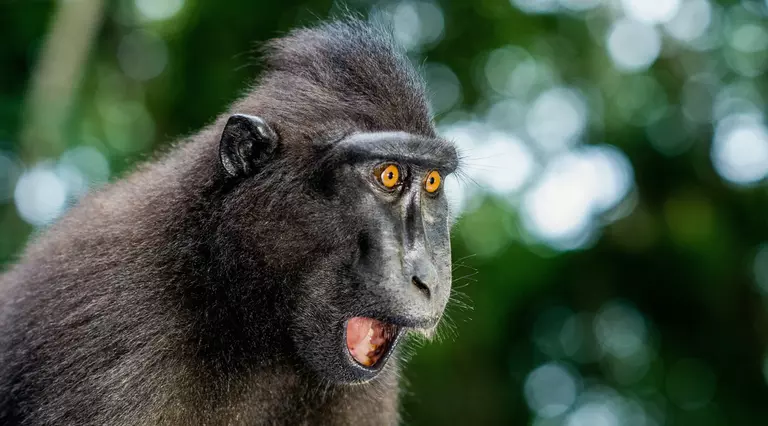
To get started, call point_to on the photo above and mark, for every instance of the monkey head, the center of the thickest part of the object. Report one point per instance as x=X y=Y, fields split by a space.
x=355 y=226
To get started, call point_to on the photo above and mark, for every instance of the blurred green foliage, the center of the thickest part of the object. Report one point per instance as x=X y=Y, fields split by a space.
x=658 y=316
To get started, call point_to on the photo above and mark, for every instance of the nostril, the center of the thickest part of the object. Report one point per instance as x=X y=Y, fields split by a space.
x=420 y=285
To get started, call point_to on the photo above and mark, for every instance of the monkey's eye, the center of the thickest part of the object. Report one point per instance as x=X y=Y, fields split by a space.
x=432 y=182
x=388 y=175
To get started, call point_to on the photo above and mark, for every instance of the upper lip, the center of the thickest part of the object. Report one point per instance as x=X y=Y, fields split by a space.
x=415 y=323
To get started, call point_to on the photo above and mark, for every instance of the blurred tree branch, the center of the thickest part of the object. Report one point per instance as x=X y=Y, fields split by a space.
x=57 y=77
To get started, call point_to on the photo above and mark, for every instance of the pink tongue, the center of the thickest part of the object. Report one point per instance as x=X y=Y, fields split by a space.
x=366 y=339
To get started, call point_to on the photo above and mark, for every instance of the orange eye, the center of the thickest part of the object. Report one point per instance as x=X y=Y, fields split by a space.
x=432 y=183
x=390 y=176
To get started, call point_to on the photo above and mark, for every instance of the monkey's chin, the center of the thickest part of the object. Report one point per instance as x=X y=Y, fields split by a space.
x=369 y=343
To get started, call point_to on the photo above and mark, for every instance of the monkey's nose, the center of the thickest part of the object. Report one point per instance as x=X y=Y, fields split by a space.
x=421 y=285
x=422 y=272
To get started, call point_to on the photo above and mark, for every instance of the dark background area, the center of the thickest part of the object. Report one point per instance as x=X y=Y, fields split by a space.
x=611 y=266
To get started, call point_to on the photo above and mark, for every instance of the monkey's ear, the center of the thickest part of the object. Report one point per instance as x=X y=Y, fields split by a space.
x=245 y=142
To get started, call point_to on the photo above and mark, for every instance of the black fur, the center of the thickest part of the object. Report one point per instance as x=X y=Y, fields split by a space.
x=175 y=295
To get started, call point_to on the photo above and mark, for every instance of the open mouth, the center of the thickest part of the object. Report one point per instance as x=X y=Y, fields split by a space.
x=369 y=340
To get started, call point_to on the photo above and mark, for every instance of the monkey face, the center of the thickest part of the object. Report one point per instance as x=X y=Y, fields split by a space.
x=393 y=274
x=367 y=224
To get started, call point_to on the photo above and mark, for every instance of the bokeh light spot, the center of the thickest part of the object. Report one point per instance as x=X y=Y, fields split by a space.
x=443 y=87
x=40 y=195
x=632 y=45
x=697 y=96
x=491 y=160
x=415 y=25
x=550 y=389
x=535 y=6
x=630 y=369
x=593 y=414
x=612 y=176
x=557 y=210
x=740 y=149
x=507 y=114
x=504 y=165
x=512 y=71
x=691 y=21
x=620 y=329
x=82 y=168
x=142 y=55
x=580 y=5
x=749 y=38
x=158 y=10
x=547 y=331
x=560 y=208
x=651 y=11
x=557 y=118
x=577 y=339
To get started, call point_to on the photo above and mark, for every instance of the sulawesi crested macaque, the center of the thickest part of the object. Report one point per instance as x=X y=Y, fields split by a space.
x=264 y=271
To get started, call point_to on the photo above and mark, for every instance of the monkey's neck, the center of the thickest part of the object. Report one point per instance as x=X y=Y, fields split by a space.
x=280 y=392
